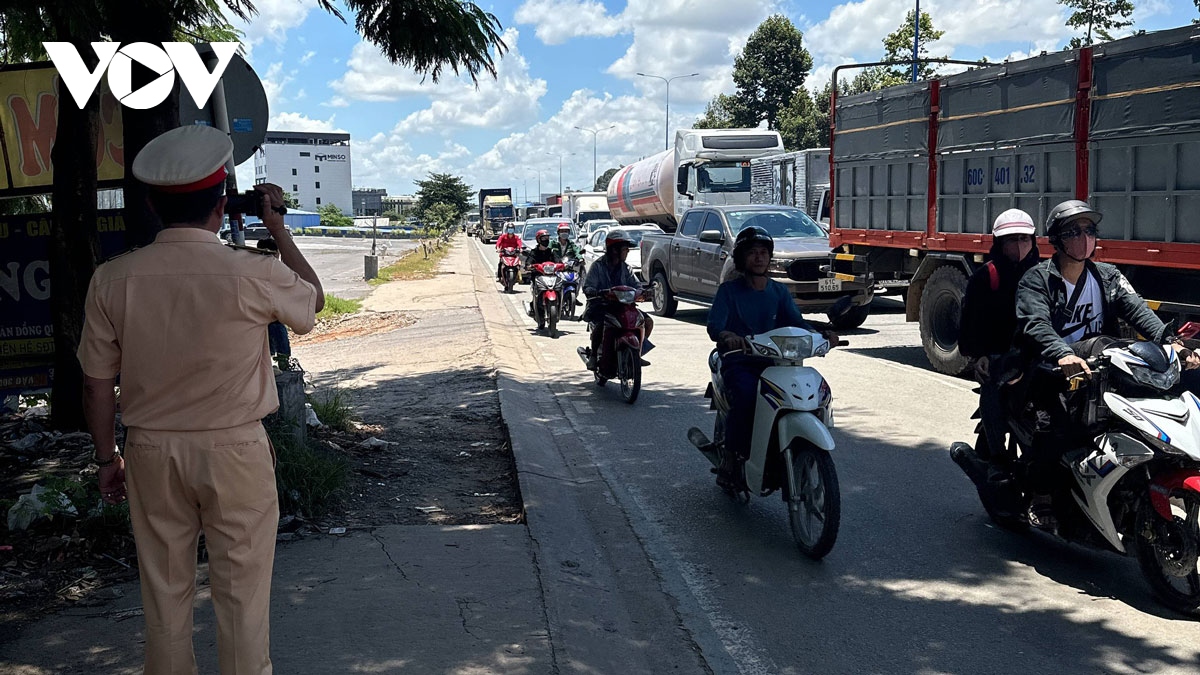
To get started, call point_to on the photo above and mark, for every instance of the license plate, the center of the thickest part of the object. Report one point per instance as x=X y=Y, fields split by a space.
x=828 y=285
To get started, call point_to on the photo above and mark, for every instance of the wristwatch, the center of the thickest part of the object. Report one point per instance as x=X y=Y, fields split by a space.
x=106 y=462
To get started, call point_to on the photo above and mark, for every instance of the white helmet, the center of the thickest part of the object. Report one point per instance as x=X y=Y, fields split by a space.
x=1013 y=221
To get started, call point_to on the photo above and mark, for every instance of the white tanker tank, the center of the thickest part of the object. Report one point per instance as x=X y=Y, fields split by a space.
x=706 y=166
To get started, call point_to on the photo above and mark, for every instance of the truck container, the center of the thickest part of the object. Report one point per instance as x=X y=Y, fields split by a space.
x=920 y=171
x=580 y=207
x=707 y=167
x=798 y=179
x=495 y=211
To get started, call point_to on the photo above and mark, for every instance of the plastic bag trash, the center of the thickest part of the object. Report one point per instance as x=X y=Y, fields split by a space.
x=464 y=453
x=39 y=503
x=479 y=444
x=40 y=410
x=337 y=530
x=311 y=416
x=28 y=441
x=373 y=442
x=428 y=509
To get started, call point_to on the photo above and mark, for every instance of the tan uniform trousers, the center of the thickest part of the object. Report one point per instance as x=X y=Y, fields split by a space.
x=221 y=482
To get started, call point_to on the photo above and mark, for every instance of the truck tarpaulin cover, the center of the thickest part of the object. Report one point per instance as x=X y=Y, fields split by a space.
x=870 y=127
x=1147 y=84
x=29 y=122
x=1029 y=101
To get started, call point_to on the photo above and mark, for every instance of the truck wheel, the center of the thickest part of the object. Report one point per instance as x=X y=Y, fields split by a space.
x=665 y=303
x=941 y=310
x=853 y=318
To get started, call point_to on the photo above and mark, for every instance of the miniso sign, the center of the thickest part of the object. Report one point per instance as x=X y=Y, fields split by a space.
x=117 y=61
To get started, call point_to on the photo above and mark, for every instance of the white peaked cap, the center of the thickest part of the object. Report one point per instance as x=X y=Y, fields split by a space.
x=1013 y=221
x=185 y=159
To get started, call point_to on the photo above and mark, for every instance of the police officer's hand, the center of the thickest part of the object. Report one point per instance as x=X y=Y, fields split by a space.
x=271 y=196
x=1072 y=365
x=112 y=481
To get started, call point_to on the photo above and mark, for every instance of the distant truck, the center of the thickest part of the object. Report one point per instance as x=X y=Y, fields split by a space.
x=799 y=179
x=691 y=262
x=580 y=207
x=706 y=167
x=921 y=170
x=495 y=211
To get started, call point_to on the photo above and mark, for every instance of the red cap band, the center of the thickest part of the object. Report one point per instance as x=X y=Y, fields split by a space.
x=215 y=178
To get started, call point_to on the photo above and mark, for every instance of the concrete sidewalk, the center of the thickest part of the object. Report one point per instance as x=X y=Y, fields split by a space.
x=571 y=591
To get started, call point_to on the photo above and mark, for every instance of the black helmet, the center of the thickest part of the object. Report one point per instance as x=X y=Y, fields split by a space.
x=745 y=239
x=618 y=237
x=1072 y=209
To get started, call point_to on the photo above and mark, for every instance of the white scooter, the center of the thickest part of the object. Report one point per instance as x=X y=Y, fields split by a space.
x=790 y=444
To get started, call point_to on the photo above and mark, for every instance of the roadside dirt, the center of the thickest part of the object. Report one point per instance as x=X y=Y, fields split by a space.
x=416 y=367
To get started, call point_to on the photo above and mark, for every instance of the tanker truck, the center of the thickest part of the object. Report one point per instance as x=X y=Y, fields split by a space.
x=706 y=167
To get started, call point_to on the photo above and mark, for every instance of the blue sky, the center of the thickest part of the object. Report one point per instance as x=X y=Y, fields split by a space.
x=574 y=63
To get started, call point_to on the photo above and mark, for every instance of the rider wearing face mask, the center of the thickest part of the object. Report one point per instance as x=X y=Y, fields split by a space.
x=563 y=246
x=605 y=274
x=507 y=240
x=747 y=305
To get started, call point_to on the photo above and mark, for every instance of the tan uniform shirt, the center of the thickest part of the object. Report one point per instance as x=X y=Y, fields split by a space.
x=184 y=322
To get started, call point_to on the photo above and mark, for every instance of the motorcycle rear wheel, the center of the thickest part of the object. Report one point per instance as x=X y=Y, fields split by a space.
x=1167 y=552
x=629 y=372
x=815 y=512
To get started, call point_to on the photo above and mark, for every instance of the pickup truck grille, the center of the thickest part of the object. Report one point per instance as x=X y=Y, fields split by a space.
x=806 y=270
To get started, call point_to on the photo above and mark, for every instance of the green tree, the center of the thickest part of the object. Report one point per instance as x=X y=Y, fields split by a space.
x=290 y=201
x=439 y=217
x=1098 y=18
x=443 y=188
x=771 y=67
x=427 y=35
x=898 y=46
x=602 y=182
x=725 y=112
x=332 y=216
x=805 y=121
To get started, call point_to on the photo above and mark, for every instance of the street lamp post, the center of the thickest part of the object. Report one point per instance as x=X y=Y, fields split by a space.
x=593 y=132
x=916 y=39
x=667 y=132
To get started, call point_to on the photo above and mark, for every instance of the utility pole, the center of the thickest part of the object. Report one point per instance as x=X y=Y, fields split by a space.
x=916 y=39
x=593 y=132
x=667 y=132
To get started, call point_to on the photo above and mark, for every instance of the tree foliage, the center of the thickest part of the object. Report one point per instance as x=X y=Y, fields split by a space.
x=602 y=182
x=439 y=217
x=290 y=201
x=771 y=67
x=725 y=111
x=1098 y=18
x=332 y=216
x=898 y=46
x=443 y=188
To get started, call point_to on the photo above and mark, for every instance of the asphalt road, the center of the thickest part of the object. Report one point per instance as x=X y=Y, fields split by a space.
x=339 y=262
x=919 y=581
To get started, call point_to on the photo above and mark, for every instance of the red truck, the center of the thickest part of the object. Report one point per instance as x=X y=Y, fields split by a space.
x=919 y=172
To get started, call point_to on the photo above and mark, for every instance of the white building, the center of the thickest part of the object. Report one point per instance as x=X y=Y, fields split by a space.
x=314 y=167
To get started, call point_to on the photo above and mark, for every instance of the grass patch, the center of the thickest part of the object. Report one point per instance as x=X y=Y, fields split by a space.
x=310 y=479
x=335 y=306
x=332 y=407
x=413 y=265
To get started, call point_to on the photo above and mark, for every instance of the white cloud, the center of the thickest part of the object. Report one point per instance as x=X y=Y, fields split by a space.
x=307 y=57
x=560 y=20
x=273 y=21
x=508 y=100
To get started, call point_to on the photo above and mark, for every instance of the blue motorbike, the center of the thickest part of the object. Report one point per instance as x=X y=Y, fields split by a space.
x=572 y=277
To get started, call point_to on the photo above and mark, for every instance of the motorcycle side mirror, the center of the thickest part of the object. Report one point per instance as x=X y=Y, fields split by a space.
x=840 y=308
x=1169 y=331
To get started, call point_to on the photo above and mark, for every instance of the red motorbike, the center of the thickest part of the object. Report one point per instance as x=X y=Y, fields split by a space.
x=547 y=292
x=620 y=354
x=510 y=267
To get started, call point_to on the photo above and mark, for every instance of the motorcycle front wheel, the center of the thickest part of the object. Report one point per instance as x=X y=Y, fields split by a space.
x=815 y=511
x=568 y=306
x=629 y=372
x=510 y=277
x=552 y=319
x=1167 y=554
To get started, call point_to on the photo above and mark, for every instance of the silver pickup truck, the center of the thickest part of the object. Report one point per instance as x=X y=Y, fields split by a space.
x=690 y=264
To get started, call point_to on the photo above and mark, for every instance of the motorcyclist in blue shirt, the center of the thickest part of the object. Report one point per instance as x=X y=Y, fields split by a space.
x=750 y=304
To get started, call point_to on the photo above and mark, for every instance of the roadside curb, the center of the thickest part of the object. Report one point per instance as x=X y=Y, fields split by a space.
x=606 y=605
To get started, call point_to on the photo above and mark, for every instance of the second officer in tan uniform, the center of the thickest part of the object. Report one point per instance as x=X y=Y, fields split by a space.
x=183 y=323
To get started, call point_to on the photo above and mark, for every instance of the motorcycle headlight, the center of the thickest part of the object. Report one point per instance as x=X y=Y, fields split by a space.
x=1159 y=381
x=794 y=346
x=626 y=297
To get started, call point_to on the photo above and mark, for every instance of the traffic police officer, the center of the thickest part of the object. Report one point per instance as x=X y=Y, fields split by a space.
x=183 y=323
